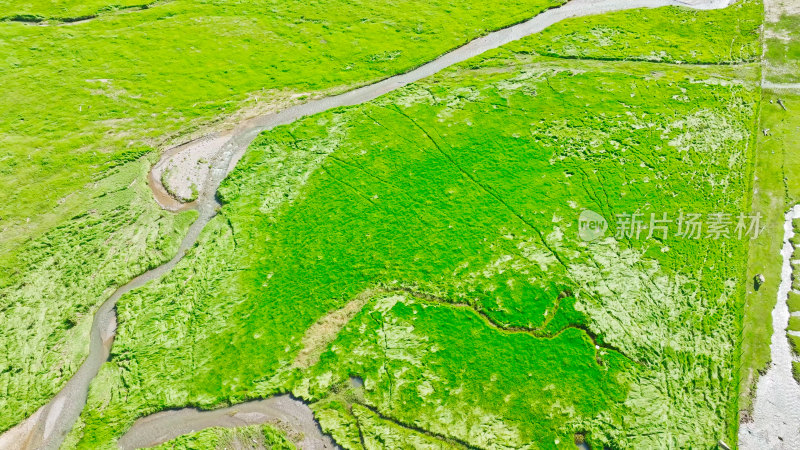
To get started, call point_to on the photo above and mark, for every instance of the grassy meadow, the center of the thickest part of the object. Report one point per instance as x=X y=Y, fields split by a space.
x=49 y=302
x=458 y=197
x=781 y=146
x=770 y=201
x=127 y=84
x=669 y=34
x=446 y=212
x=89 y=105
x=253 y=436
x=37 y=11
x=782 y=58
x=775 y=190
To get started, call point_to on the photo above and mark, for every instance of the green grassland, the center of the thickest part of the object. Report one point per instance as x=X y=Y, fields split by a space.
x=254 y=436
x=482 y=214
x=187 y=305
x=413 y=355
x=794 y=324
x=795 y=344
x=795 y=267
x=729 y=35
x=764 y=255
x=88 y=104
x=64 y=10
x=350 y=422
x=783 y=50
x=775 y=190
x=794 y=302
x=784 y=137
x=128 y=83
x=463 y=191
x=49 y=301
x=381 y=433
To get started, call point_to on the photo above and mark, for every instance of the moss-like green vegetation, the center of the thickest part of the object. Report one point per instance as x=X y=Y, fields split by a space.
x=107 y=407
x=381 y=433
x=794 y=302
x=353 y=424
x=64 y=10
x=729 y=35
x=775 y=190
x=794 y=324
x=83 y=100
x=464 y=190
x=796 y=370
x=784 y=137
x=399 y=341
x=795 y=343
x=254 y=436
x=119 y=94
x=48 y=301
x=783 y=50
x=764 y=258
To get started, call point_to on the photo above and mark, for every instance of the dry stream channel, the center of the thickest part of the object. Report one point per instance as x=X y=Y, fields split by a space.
x=776 y=407
x=48 y=426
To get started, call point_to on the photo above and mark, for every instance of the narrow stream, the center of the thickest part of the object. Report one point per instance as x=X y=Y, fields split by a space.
x=284 y=412
x=776 y=407
x=47 y=428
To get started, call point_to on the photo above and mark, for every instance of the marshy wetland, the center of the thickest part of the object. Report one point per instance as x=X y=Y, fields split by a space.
x=402 y=258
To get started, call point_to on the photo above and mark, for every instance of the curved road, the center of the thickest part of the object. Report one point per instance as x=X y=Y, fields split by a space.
x=47 y=427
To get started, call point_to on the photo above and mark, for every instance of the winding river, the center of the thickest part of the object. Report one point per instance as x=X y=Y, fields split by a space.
x=47 y=427
x=283 y=411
